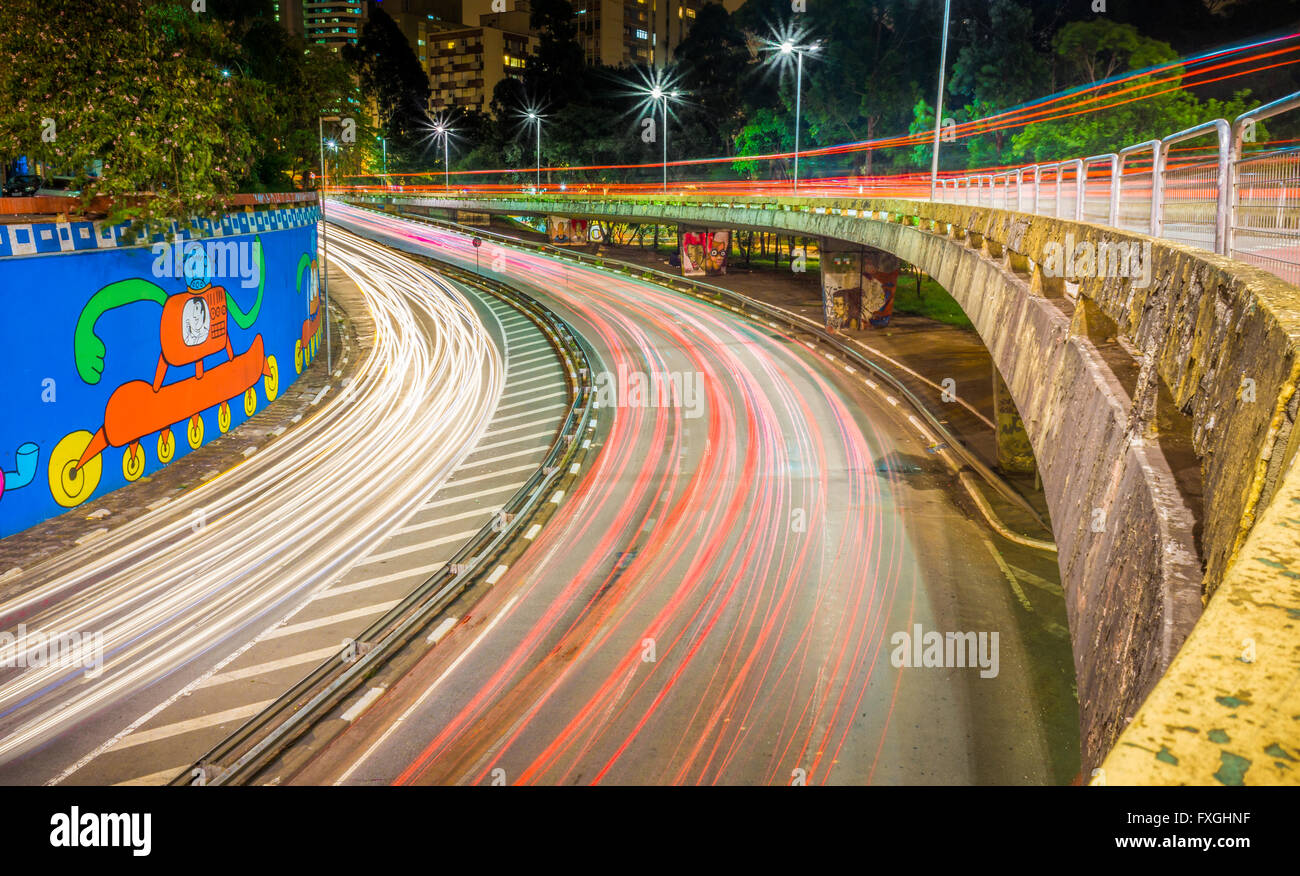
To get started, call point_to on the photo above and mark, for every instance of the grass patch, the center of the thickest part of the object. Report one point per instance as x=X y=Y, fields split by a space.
x=933 y=302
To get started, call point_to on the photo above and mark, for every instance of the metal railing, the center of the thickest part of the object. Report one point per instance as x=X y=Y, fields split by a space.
x=1214 y=195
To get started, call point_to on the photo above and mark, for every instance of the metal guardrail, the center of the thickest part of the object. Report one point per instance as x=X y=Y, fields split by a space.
x=1242 y=205
x=255 y=745
x=755 y=309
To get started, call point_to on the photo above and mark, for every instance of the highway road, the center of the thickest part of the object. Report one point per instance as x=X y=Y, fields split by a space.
x=212 y=604
x=718 y=600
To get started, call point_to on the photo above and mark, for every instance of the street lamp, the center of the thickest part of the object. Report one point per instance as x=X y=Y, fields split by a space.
x=443 y=130
x=786 y=45
x=324 y=241
x=658 y=88
x=938 y=104
x=535 y=118
x=384 y=142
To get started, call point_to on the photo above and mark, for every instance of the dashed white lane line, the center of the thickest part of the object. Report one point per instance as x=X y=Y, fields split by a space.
x=330 y=620
x=362 y=704
x=532 y=531
x=270 y=666
x=505 y=609
x=203 y=722
x=440 y=631
x=496 y=574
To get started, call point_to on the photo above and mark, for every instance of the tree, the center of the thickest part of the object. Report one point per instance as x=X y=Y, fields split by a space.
x=131 y=85
x=715 y=62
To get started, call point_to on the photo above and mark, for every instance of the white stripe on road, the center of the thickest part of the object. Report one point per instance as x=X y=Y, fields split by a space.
x=362 y=704
x=440 y=631
x=167 y=731
x=272 y=666
x=505 y=609
x=330 y=620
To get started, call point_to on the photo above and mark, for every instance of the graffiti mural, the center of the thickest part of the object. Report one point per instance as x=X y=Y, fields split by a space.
x=704 y=252
x=880 y=272
x=146 y=352
x=564 y=231
x=842 y=287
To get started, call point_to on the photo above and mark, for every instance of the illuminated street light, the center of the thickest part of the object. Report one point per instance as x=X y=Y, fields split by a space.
x=657 y=88
x=440 y=129
x=785 y=45
x=533 y=117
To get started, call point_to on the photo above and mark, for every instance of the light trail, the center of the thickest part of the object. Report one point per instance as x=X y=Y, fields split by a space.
x=212 y=564
x=761 y=550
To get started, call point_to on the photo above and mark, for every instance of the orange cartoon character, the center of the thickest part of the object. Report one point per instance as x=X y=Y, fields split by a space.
x=191 y=328
x=304 y=349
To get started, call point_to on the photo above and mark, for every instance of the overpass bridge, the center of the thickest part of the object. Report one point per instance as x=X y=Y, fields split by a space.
x=1156 y=381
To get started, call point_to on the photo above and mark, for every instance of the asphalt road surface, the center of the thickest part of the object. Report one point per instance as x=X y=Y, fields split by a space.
x=718 y=600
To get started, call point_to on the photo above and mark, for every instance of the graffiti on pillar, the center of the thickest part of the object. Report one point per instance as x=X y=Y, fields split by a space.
x=704 y=252
x=841 y=287
x=564 y=231
x=880 y=272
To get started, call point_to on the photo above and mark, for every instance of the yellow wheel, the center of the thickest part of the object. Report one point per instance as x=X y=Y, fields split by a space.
x=133 y=461
x=271 y=382
x=250 y=401
x=69 y=485
x=297 y=356
x=223 y=417
x=311 y=351
x=166 y=446
x=195 y=432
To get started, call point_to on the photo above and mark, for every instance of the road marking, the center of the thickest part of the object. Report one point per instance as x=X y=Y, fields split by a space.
x=249 y=451
x=1015 y=584
x=496 y=574
x=453 y=481
x=330 y=620
x=573 y=469
x=508 y=429
x=161 y=777
x=362 y=704
x=92 y=536
x=505 y=609
x=541 y=377
x=421 y=571
x=559 y=494
x=154 y=506
x=421 y=546
x=439 y=521
x=320 y=395
x=203 y=722
x=560 y=393
x=532 y=531
x=440 y=631
x=277 y=431
x=490 y=491
x=893 y=401
x=531 y=436
x=271 y=666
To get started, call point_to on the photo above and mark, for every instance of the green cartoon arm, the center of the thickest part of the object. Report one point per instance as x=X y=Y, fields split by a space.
x=87 y=347
x=303 y=262
x=246 y=320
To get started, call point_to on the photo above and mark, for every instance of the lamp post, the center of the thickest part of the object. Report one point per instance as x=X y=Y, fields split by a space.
x=938 y=103
x=324 y=241
x=440 y=129
x=657 y=91
x=383 y=141
x=787 y=47
x=535 y=118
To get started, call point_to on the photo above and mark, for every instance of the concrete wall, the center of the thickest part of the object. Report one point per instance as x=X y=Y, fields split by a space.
x=117 y=359
x=1160 y=412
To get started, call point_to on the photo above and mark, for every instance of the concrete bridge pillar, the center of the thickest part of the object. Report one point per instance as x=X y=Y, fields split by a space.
x=703 y=251
x=1015 y=455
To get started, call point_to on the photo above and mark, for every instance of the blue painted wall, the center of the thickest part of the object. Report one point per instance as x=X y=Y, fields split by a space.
x=116 y=359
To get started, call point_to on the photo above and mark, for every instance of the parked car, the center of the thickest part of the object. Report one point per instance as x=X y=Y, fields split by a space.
x=59 y=186
x=22 y=186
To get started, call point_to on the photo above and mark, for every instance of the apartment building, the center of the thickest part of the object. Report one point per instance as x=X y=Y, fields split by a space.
x=617 y=32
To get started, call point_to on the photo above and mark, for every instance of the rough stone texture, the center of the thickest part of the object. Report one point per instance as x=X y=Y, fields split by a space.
x=1088 y=378
x=1015 y=452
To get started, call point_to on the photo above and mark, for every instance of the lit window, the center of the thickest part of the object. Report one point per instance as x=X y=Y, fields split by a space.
x=642 y=35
